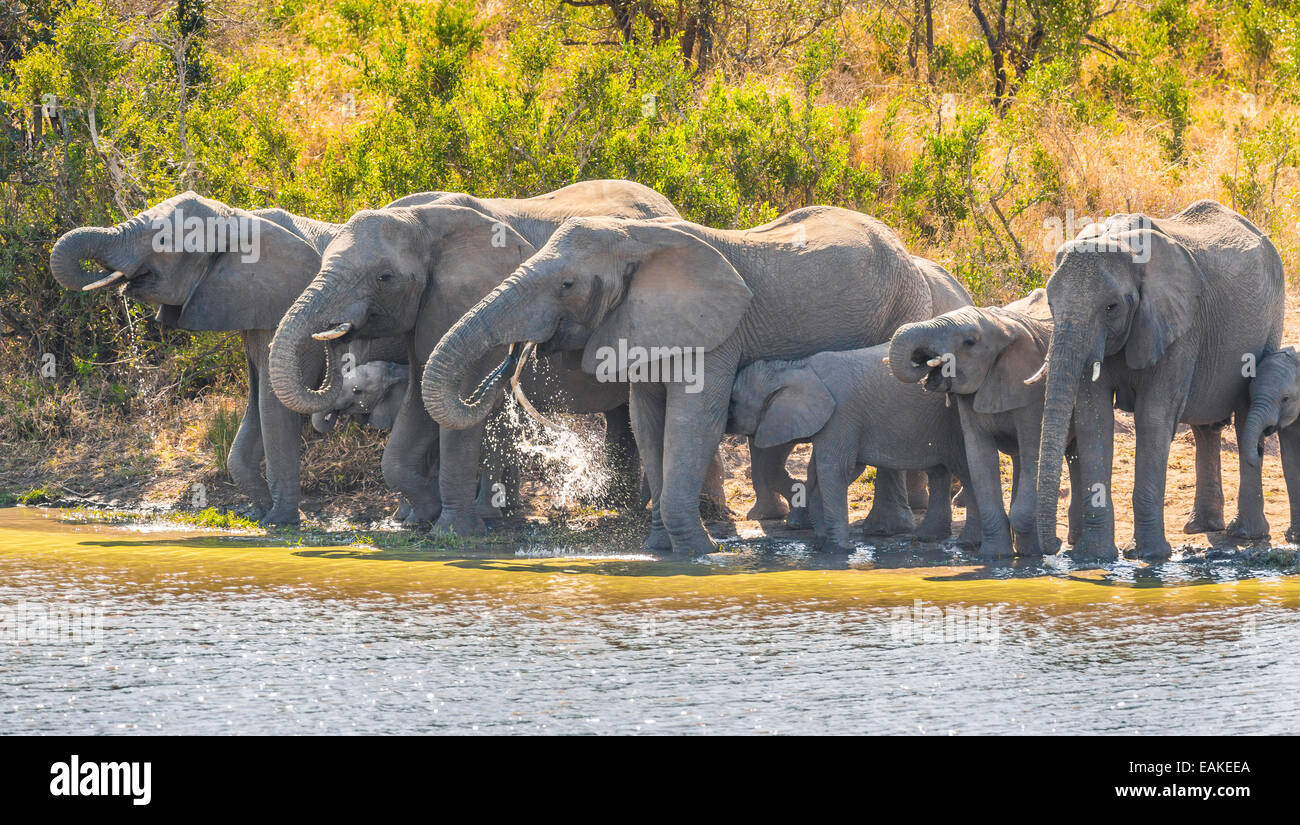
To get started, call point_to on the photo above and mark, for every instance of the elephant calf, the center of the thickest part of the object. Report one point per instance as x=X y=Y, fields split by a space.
x=1274 y=408
x=985 y=357
x=855 y=413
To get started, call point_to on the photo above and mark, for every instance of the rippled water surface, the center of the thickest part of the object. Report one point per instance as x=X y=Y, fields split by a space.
x=195 y=633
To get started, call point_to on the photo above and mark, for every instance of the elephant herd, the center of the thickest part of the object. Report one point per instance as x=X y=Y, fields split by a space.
x=819 y=326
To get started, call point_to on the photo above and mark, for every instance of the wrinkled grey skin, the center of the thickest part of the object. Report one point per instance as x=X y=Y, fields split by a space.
x=816 y=279
x=993 y=350
x=413 y=271
x=1274 y=408
x=218 y=290
x=372 y=392
x=1168 y=308
x=890 y=512
x=855 y=413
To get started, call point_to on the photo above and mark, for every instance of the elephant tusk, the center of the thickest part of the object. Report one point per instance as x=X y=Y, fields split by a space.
x=518 y=391
x=1096 y=370
x=885 y=360
x=336 y=332
x=1038 y=376
x=934 y=362
x=947 y=399
x=115 y=276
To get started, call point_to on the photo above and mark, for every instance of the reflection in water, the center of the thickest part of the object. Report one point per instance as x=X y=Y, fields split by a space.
x=203 y=634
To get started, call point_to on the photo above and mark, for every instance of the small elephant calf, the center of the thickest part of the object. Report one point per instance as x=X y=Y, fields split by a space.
x=372 y=391
x=1274 y=408
x=855 y=413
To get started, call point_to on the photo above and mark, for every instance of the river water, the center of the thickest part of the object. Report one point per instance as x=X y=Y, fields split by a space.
x=115 y=629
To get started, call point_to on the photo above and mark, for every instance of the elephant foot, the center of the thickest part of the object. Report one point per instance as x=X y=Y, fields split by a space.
x=254 y=512
x=1204 y=523
x=700 y=544
x=418 y=515
x=403 y=510
x=460 y=524
x=766 y=509
x=281 y=516
x=999 y=549
x=1293 y=534
x=970 y=536
x=918 y=500
x=894 y=522
x=799 y=519
x=713 y=510
x=933 y=532
x=1094 y=549
x=489 y=512
x=658 y=541
x=1150 y=548
x=1248 y=529
x=835 y=547
x=1026 y=544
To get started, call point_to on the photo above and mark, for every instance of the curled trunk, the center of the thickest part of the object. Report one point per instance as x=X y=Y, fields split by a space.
x=1064 y=372
x=911 y=345
x=292 y=338
x=464 y=346
x=85 y=243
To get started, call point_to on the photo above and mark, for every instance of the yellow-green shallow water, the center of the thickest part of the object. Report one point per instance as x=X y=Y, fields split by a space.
x=178 y=631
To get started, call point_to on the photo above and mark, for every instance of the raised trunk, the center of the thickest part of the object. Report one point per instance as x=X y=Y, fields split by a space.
x=292 y=337
x=464 y=346
x=85 y=243
x=913 y=344
x=1065 y=370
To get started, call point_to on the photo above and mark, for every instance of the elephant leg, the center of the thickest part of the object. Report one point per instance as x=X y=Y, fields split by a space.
x=1155 y=420
x=772 y=483
x=986 y=489
x=1250 y=523
x=695 y=416
x=407 y=457
x=624 y=462
x=937 y=524
x=1094 y=428
x=815 y=518
x=647 y=404
x=889 y=514
x=245 y=458
x=1289 y=438
x=458 y=477
x=713 y=496
x=281 y=437
x=1075 y=513
x=834 y=473
x=918 y=490
x=1207 y=510
x=492 y=495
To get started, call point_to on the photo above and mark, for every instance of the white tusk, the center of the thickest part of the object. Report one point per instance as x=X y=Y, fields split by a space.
x=1096 y=370
x=518 y=391
x=337 y=332
x=947 y=399
x=116 y=276
x=885 y=360
x=1038 y=376
x=934 y=362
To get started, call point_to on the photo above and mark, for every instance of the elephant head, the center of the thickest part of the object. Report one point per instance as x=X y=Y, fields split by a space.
x=597 y=285
x=1274 y=402
x=372 y=391
x=778 y=402
x=988 y=353
x=390 y=272
x=1122 y=288
x=205 y=265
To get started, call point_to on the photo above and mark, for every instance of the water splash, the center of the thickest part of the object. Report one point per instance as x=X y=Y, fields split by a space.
x=571 y=460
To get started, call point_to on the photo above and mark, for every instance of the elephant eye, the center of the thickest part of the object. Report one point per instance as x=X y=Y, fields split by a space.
x=385 y=276
x=356 y=390
x=1111 y=307
x=566 y=283
x=970 y=342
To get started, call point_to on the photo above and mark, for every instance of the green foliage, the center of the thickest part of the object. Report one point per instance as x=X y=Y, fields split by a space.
x=221 y=435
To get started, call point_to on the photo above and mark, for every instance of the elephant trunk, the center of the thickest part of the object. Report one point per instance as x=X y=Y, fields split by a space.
x=1259 y=422
x=1064 y=371
x=291 y=339
x=85 y=243
x=912 y=346
x=465 y=345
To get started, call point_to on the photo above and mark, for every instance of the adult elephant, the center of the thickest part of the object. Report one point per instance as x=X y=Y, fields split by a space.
x=1165 y=314
x=819 y=278
x=210 y=266
x=413 y=270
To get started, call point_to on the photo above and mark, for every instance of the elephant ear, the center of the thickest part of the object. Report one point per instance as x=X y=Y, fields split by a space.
x=468 y=242
x=798 y=409
x=240 y=294
x=681 y=292
x=1172 y=283
x=1004 y=385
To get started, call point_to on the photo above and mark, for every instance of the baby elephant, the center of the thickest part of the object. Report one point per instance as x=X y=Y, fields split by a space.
x=988 y=359
x=855 y=413
x=1274 y=408
x=372 y=392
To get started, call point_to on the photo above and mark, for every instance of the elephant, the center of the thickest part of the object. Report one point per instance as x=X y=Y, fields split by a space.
x=412 y=270
x=983 y=357
x=209 y=266
x=1274 y=408
x=1164 y=312
x=372 y=392
x=855 y=413
x=889 y=514
x=677 y=308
